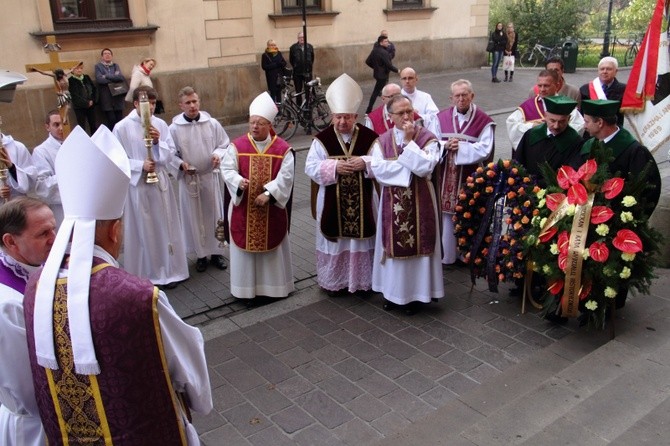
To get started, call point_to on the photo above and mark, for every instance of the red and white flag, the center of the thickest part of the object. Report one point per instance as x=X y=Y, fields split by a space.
x=646 y=100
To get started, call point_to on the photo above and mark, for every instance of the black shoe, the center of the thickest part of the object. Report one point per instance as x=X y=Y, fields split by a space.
x=495 y=80
x=168 y=286
x=219 y=261
x=388 y=305
x=411 y=308
x=505 y=80
x=511 y=78
x=201 y=264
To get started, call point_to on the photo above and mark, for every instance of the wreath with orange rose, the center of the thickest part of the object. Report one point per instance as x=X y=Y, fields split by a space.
x=493 y=215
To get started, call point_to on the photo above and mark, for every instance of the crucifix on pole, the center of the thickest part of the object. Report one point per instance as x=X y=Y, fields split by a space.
x=58 y=70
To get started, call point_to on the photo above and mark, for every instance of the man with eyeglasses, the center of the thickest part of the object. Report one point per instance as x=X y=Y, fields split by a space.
x=467 y=134
x=258 y=169
x=423 y=102
x=406 y=266
x=344 y=206
x=378 y=119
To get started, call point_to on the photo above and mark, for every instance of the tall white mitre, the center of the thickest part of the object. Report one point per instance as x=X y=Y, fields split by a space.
x=93 y=176
x=263 y=105
x=344 y=95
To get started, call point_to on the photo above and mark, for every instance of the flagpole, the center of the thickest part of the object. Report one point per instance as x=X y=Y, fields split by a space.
x=608 y=30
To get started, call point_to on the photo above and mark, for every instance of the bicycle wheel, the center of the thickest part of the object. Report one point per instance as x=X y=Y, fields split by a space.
x=320 y=114
x=286 y=122
x=529 y=59
x=629 y=57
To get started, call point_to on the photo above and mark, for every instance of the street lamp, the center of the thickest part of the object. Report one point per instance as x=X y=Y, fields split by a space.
x=608 y=29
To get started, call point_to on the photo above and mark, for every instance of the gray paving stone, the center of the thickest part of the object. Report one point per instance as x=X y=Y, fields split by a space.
x=376 y=337
x=363 y=351
x=390 y=423
x=353 y=369
x=356 y=432
x=322 y=326
x=277 y=345
x=216 y=353
x=367 y=312
x=389 y=323
x=428 y=366
x=292 y=419
x=330 y=354
x=357 y=326
x=438 y=396
x=294 y=387
x=439 y=330
x=316 y=371
x=406 y=404
x=305 y=315
x=272 y=435
x=225 y=397
x=483 y=373
x=316 y=435
x=435 y=347
x=295 y=357
x=460 y=361
x=311 y=343
x=415 y=383
x=367 y=407
x=458 y=383
x=267 y=399
x=377 y=385
x=324 y=408
x=498 y=339
x=246 y=419
x=260 y=332
x=239 y=375
x=564 y=432
x=341 y=338
x=531 y=337
x=223 y=436
x=494 y=357
x=413 y=336
x=206 y=423
x=332 y=312
x=521 y=350
x=340 y=389
x=389 y=366
x=463 y=342
x=262 y=362
x=296 y=331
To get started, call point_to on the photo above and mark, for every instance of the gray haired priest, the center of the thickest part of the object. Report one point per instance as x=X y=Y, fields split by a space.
x=112 y=362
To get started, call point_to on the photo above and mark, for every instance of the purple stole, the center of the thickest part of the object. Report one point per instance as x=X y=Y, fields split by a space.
x=253 y=228
x=131 y=402
x=347 y=210
x=9 y=276
x=379 y=124
x=532 y=109
x=408 y=213
x=471 y=131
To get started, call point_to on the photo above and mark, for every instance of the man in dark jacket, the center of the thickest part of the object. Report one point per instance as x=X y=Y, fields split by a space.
x=380 y=62
x=301 y=57
x=606 y=85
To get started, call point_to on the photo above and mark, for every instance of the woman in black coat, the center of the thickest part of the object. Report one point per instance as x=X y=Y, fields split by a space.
x=499 y=39
x=273 y=64
x=84 y=97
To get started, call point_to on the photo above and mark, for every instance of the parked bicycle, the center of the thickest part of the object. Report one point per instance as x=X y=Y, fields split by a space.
x=538 y=54
x=631 y=52
x=311 y=114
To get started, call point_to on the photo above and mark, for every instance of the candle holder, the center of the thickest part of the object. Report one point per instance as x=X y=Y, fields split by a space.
x=145 y=115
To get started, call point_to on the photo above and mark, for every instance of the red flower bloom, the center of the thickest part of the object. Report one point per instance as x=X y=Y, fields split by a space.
x=612 y=187
x=567 y=176
x=563 y=241
x=600 y=214
x=577 y=194
x=553 y=200
x=585 y=290
x=562 y=260
x=547 y=235
x=627 y=241
x=599 y=252
x=556 y=287
x=587 y=170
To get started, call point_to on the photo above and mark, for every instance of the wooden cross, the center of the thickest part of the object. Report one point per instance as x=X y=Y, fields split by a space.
x=52 y=48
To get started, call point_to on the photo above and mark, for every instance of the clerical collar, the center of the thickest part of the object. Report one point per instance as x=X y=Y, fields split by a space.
x=196 y=119
x=21 y=270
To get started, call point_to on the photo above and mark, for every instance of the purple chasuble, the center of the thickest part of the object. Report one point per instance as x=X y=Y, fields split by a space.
x=408 y=213
x=12 y=274
x=453 y=175
x=532 y=109
x=131 y=401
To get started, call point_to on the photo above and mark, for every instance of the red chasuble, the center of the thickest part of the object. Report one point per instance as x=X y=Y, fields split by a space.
x=131 y=401
x=254 y=228
x=408 y=213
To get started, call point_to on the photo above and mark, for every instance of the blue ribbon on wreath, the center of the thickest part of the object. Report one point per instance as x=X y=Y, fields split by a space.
x=494 y=206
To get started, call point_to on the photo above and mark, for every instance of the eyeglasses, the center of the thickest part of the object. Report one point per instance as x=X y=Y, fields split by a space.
x=404 y=113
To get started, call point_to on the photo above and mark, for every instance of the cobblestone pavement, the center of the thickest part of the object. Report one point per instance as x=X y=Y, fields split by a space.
x=314 y=370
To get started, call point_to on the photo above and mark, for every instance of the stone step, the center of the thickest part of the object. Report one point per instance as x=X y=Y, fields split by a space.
x=584 y=389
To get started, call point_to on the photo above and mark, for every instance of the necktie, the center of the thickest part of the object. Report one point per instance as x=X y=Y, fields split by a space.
x=605 y=88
